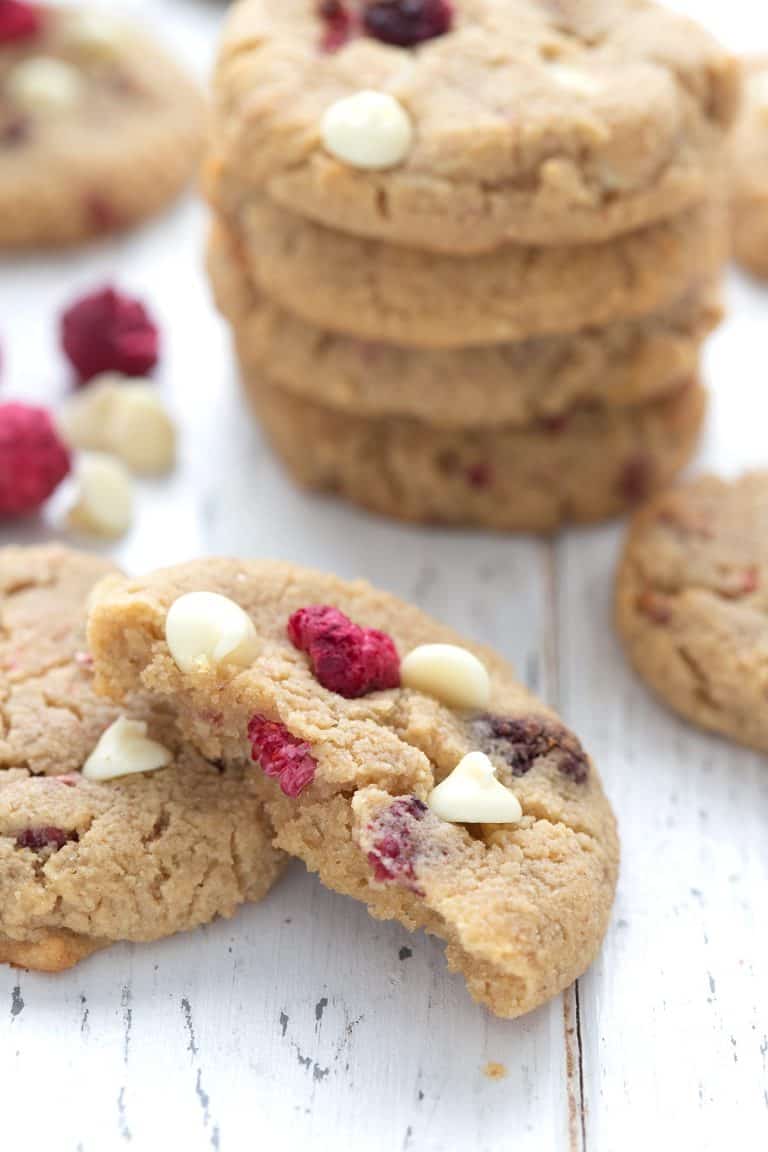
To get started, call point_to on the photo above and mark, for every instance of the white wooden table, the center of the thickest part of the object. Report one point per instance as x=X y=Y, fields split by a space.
x=303 y=1023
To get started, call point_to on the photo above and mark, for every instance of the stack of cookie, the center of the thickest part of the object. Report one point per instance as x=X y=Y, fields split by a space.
x=470 y=252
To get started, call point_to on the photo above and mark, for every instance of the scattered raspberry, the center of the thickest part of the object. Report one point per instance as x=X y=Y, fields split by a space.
x=393 y=851
x=519 y=743
x=338 y=21
x=38 y=839
x=19 y=21
x=407 y=22
x=345 y=658
x=109 y=332
x=33 y=458
x=281 y=756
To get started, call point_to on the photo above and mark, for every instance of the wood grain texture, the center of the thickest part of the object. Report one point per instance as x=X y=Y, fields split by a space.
x=304 y=1024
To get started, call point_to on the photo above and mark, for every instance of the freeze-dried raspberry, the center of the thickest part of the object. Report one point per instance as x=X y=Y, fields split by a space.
x=338 y=23
x=19 y=21
x=281 y=756
x=345 y=658
x=407 y=22
x=520 y=742
x=38 y=839
x=109 y=332
x=33 y=458
x=393 y=849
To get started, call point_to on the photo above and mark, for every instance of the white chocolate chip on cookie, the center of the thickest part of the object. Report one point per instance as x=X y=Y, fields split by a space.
x=574 y=79
x=368 y=130
x=104 y=501
x=204 y=628
x=123 y=750
x=44 y=84
x=451 y=674
x=473 y=795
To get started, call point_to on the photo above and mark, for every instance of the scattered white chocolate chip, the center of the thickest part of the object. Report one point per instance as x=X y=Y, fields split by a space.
x=204 y=628
x=368 y=130
x=95 y=31
x=45 y=84
x=125 y=417
x=104 y=496
x=473 y=795
x=575 y=79
x=124 y=749
x=448 y=672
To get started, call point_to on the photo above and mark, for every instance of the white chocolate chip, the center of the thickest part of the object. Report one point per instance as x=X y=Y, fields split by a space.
x=204 y=628
x=124 y=417
x=104 y=496
x=448 y=672
x=44 y=84
x=473 y=795
x=95 y=31
x=123 y=750
x=368 y=130
x=575 y=79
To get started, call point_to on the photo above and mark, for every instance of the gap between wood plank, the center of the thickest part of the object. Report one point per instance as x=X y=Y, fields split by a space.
x=574 y=1049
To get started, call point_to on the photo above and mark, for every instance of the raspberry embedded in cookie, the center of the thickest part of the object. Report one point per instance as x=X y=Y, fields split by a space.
x=520 y=742
x=38 y=839
x=407 y=22
x=33 y=458
x=338 y=24
x=107 y=331
x=345 y=658
x=393 y=850
x=19 y=21
x=281 y=755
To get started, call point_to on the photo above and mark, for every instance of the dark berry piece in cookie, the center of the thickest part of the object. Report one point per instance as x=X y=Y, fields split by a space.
x=338 y=23
x=520 y=742
x=40 y=839
x=393 y=849
x=407 y=22
x=345 y=658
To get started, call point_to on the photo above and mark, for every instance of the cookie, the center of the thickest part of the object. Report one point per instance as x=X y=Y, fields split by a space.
x=376 y=291
x=351 y=743
x=99 y=129
x=494 y=120
x=749 y=189
x=84 y=862
x=584 y=467
x=621 y=364
x=692 y=603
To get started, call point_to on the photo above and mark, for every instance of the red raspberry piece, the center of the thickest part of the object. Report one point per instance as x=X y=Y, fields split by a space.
x=38 y=839
x=19 y=21
x=345 y=658
x=282 y=756
x=338 y=21
x=393 y=851
x=407 y=22
x=109 y=332
x=33 y=458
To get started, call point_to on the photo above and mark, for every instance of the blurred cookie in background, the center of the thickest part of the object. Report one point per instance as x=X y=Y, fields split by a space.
x=750 y=189
x=99 y=127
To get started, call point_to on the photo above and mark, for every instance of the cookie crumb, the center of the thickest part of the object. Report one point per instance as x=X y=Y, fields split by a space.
x=495 y=1071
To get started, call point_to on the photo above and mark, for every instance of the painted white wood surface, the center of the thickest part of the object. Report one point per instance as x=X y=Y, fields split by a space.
x=303 y=1023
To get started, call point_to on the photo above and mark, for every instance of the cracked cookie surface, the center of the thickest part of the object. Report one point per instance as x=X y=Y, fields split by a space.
x=536 y=122
x=85 y=864
x=102 y=133
x=692 y=603
x=522 y=907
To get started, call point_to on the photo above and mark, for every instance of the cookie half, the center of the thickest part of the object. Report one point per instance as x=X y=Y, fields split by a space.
x=84 y=864
x=692 y=603
x=99 y=129
x=535 y=380
x=376 y=291
x=348 y=770
x=531 y=122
